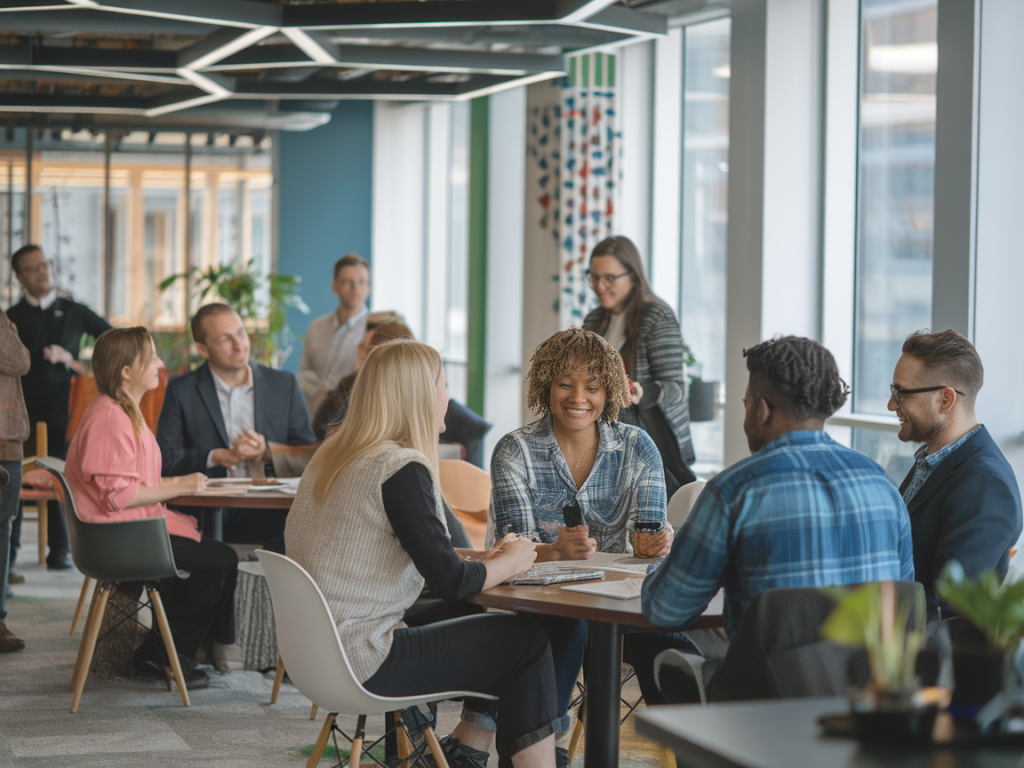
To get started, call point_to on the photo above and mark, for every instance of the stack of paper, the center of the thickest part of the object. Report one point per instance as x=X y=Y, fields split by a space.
x=624 y=589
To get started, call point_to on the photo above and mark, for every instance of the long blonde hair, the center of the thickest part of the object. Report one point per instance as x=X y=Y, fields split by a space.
x=114 y=350
x=393 y=400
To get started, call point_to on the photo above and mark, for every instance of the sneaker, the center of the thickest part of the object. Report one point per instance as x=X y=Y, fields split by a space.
x=459 y=755
x=15 y=578
x=227 y=657
x=8 y=641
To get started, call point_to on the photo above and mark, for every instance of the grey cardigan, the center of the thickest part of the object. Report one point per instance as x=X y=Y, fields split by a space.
x=659 y=369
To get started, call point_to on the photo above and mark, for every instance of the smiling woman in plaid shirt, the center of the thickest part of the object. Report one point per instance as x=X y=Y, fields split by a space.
x=577 y=463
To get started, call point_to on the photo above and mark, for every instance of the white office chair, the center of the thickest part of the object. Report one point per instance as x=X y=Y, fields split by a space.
x=308 y=641
x=682 y=502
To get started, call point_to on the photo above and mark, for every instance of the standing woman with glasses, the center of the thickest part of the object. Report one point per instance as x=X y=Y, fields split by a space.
x=646 y=333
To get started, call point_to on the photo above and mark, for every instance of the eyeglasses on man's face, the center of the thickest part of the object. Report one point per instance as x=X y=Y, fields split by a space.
x=606 y=280
x=31 y=270
x=898 y=393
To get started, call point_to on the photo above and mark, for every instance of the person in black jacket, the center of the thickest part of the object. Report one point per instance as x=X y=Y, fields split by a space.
x=962 y=495
x=51 y=326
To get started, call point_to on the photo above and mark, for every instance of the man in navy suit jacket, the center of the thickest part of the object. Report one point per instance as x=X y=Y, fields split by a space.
x=962 y=495
x=218 y=418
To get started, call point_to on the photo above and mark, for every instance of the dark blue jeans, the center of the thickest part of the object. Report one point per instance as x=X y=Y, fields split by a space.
x=256 y=526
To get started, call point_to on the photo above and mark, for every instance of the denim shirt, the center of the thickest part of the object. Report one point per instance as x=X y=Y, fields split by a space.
x=532 y=483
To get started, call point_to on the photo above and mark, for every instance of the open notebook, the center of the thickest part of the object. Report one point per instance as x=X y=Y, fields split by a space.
x=624 y=589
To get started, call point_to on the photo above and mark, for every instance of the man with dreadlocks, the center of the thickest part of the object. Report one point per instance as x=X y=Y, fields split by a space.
x=802 y=511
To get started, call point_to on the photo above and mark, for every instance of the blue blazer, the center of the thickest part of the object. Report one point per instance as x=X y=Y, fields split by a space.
x=191 y=423
x=968 y=510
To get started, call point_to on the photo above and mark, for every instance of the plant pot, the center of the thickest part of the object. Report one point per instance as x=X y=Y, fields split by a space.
x=703 y=400
x=881 y=715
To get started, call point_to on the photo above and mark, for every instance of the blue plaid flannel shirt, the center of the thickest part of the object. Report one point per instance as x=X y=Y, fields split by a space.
x=532 y=482
x=802 y=512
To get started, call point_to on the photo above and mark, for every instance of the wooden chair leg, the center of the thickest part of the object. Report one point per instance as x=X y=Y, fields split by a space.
x=577 y=737
x=44 y=527
x=313 y=711
x=88 y=623
x=172 y=653
x=278 y=679
x=321 y=741
x=355 y=753
x=81 y=601
x=89 y=647
x=435 y=748
x=404 y=745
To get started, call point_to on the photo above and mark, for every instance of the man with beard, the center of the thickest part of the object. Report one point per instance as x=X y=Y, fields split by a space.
x=962 y=495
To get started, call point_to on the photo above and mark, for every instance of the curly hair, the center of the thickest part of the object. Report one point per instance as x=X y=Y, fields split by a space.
x=801 y=372
x=567 y=352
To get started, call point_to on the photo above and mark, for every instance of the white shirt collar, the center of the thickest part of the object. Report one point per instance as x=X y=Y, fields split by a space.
x=44 y=303
x=226 y=388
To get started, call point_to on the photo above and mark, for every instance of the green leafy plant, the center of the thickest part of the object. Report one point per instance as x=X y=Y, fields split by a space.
x=261 y=301
x=869 y=617
x=997 y=609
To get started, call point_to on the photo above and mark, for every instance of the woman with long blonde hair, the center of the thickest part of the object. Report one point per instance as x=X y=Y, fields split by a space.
x=113 y=467
x=367 y=524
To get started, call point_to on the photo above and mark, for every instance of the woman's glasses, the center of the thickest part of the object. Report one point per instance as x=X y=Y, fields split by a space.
x=606 y=280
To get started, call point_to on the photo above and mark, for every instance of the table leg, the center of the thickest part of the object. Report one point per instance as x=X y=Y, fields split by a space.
x=211 y=522
x=604 y=687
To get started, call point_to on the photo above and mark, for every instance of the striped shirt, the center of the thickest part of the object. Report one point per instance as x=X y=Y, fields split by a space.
x=802 y=512
x=532 y=483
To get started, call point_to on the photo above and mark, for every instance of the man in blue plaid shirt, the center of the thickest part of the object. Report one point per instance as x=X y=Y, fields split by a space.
x=802 y=511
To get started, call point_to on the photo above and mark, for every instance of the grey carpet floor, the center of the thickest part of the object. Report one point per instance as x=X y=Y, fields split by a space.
x=123 y=723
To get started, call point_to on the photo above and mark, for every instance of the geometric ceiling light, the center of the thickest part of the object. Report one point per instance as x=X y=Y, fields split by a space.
x=151 y=58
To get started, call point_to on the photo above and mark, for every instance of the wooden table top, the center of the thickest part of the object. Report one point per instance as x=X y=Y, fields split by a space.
x=554 y=600
x=247 y=501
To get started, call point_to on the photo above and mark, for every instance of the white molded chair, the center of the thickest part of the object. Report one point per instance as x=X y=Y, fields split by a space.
x=682 y=502
x=309 y=644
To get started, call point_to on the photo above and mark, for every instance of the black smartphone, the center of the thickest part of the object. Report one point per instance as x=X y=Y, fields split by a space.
x=572 y=514
x=648 y=527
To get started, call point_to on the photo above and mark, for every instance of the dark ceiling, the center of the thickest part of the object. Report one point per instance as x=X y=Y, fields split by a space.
x=283 y=64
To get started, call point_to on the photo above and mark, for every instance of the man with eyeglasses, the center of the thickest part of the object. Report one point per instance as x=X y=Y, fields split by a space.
x=962 y=495
x=51 y=326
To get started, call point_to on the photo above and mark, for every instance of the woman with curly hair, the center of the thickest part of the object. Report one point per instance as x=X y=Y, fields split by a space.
x=646 y=332
x=575 y=464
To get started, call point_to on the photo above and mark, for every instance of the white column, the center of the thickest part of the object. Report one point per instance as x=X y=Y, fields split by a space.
x=667 y=168
x=506 y=192
x=634 y=87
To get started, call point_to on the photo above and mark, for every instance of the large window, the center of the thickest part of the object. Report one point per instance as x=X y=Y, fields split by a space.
x=896 y=163
x=229 y=217
x=705 y=213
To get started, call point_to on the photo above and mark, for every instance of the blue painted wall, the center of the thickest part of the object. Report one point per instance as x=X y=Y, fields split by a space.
x=326 y=191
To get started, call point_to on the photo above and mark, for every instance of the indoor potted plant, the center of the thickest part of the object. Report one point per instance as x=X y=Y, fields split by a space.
x=987 y=664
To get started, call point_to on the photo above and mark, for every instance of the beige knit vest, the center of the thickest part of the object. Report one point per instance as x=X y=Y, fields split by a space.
x=350 y=549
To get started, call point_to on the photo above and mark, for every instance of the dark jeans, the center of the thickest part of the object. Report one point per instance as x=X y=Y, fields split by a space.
x=8 y=511
x=256 y=526
x=500 y=655
x=201 y=605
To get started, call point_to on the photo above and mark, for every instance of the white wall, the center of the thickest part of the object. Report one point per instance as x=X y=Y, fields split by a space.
x=635 y=92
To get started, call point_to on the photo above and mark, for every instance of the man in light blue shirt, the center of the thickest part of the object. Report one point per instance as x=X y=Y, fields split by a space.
x=802 y=511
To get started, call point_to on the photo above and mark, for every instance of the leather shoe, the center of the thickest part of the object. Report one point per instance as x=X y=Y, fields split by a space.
x=8 y=642
x=59 y=561
x=13 y=577
x=195 y=678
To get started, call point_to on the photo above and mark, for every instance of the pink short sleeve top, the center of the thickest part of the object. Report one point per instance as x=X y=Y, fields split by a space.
x=106 y=464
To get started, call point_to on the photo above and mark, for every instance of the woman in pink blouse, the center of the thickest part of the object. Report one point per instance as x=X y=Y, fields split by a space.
x=113 y=467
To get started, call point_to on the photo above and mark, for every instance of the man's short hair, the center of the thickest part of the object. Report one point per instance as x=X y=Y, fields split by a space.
x=951 y=357
x=350 y=260
x=25 y=250
x=205 y=311
x=801 y=373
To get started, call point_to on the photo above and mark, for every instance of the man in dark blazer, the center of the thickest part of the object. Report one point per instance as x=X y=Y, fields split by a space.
x=962 y=495
x=51 y=325
x=219 y=418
